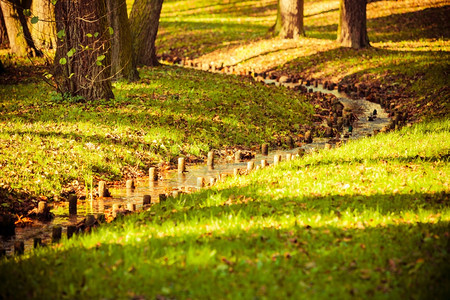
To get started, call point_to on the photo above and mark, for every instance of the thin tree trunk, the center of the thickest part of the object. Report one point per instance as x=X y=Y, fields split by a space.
x=144 y=22
x=4 y=42
x=19 y=36
x=44 y=31
x=122 y=59
x=2 y=68
x=82 y=57
x=289 y=23
x=352 y=31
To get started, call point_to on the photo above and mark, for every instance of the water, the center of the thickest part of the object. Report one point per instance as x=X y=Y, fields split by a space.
x=187 y=182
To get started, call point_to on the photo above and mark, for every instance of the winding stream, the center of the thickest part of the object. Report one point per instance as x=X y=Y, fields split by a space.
x=172 y=181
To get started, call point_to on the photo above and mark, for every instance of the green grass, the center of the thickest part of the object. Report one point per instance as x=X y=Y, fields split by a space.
x=367 y=220
x=170 y=112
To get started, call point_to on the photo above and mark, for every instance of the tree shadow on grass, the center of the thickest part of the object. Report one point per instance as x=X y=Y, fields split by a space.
x=404 y=260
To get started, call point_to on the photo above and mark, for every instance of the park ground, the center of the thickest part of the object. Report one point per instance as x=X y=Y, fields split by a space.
x=367 y=220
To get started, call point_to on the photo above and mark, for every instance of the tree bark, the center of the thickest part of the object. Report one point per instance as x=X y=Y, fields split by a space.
x=44 y=31
x=82 y=57
x=289 y=23
x=123 y=64
x=19 y=36
x=4 y=42
x=144 y=22
x=352 y=31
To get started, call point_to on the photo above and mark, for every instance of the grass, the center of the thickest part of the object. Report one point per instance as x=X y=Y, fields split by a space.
x=170 y=112
x=367 y=220
x=410 y=42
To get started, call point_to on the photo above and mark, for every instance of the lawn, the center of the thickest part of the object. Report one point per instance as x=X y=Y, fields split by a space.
x=367 y=220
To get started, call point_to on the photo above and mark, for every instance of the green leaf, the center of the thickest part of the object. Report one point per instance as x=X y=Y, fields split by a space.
x=101 y=57
x=71 y=52
x=96 y=34
x=63 y=61
x=111 y=31
x=71 y=74
x=89 y=34
x=61 y=33
x=34 y=20
x=99 y=63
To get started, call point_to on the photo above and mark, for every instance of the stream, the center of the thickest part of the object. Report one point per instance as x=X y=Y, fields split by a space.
x=187 y=182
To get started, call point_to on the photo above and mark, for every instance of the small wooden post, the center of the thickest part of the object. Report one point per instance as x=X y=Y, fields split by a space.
x=238 y=156
x=236 y=171
x=200 y=182
x=162 y=198
x=72 y=204
x=71 y=230
x=37 y=242
x=152 y=174
x=308 y=137
x=276 y=159
x=290 y=142
x=19 y=247
x=210 y=160
x=263 y=163
x=42 y=207
x=147 y=200
x=131 y=207
x=265 y=149
x=250 y=166
x=56 y=234
x=181 y=165
x=102 y=189
x=130 y=184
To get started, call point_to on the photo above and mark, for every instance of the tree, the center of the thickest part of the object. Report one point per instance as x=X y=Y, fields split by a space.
x=144 y=22
x=289 y=23
x=19 y=36
x=123 y=64
x=82 y=56
x=43 y=31
x=352 y=31
x=4 y=42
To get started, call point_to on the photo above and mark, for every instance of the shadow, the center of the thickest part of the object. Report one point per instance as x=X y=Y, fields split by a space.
x=430 y=23
x=235 y=250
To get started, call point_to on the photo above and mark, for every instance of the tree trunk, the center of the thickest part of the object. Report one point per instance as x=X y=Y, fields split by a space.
x=82 y=56
x=122 y=59
x=144 y=22
x=4 y=42
x=44 y=31
x=19 y=36
x=289 y=23
x=352 y=31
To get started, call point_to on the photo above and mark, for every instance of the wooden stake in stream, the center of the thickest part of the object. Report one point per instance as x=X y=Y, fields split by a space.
x=147 y=200
x=276 y=159
x=263 y=163
x=238 y=156
x=19 y=247
x=42 y=207
x=102 y=189
x=152 y=174
x=210 y=160
x=130 y=184
x=200 y=182
x=37 y=242
x=181 y=165
x=56 y=234
x=265 y=149
x=250 y=166
x=71 y=230
x=72 y=204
